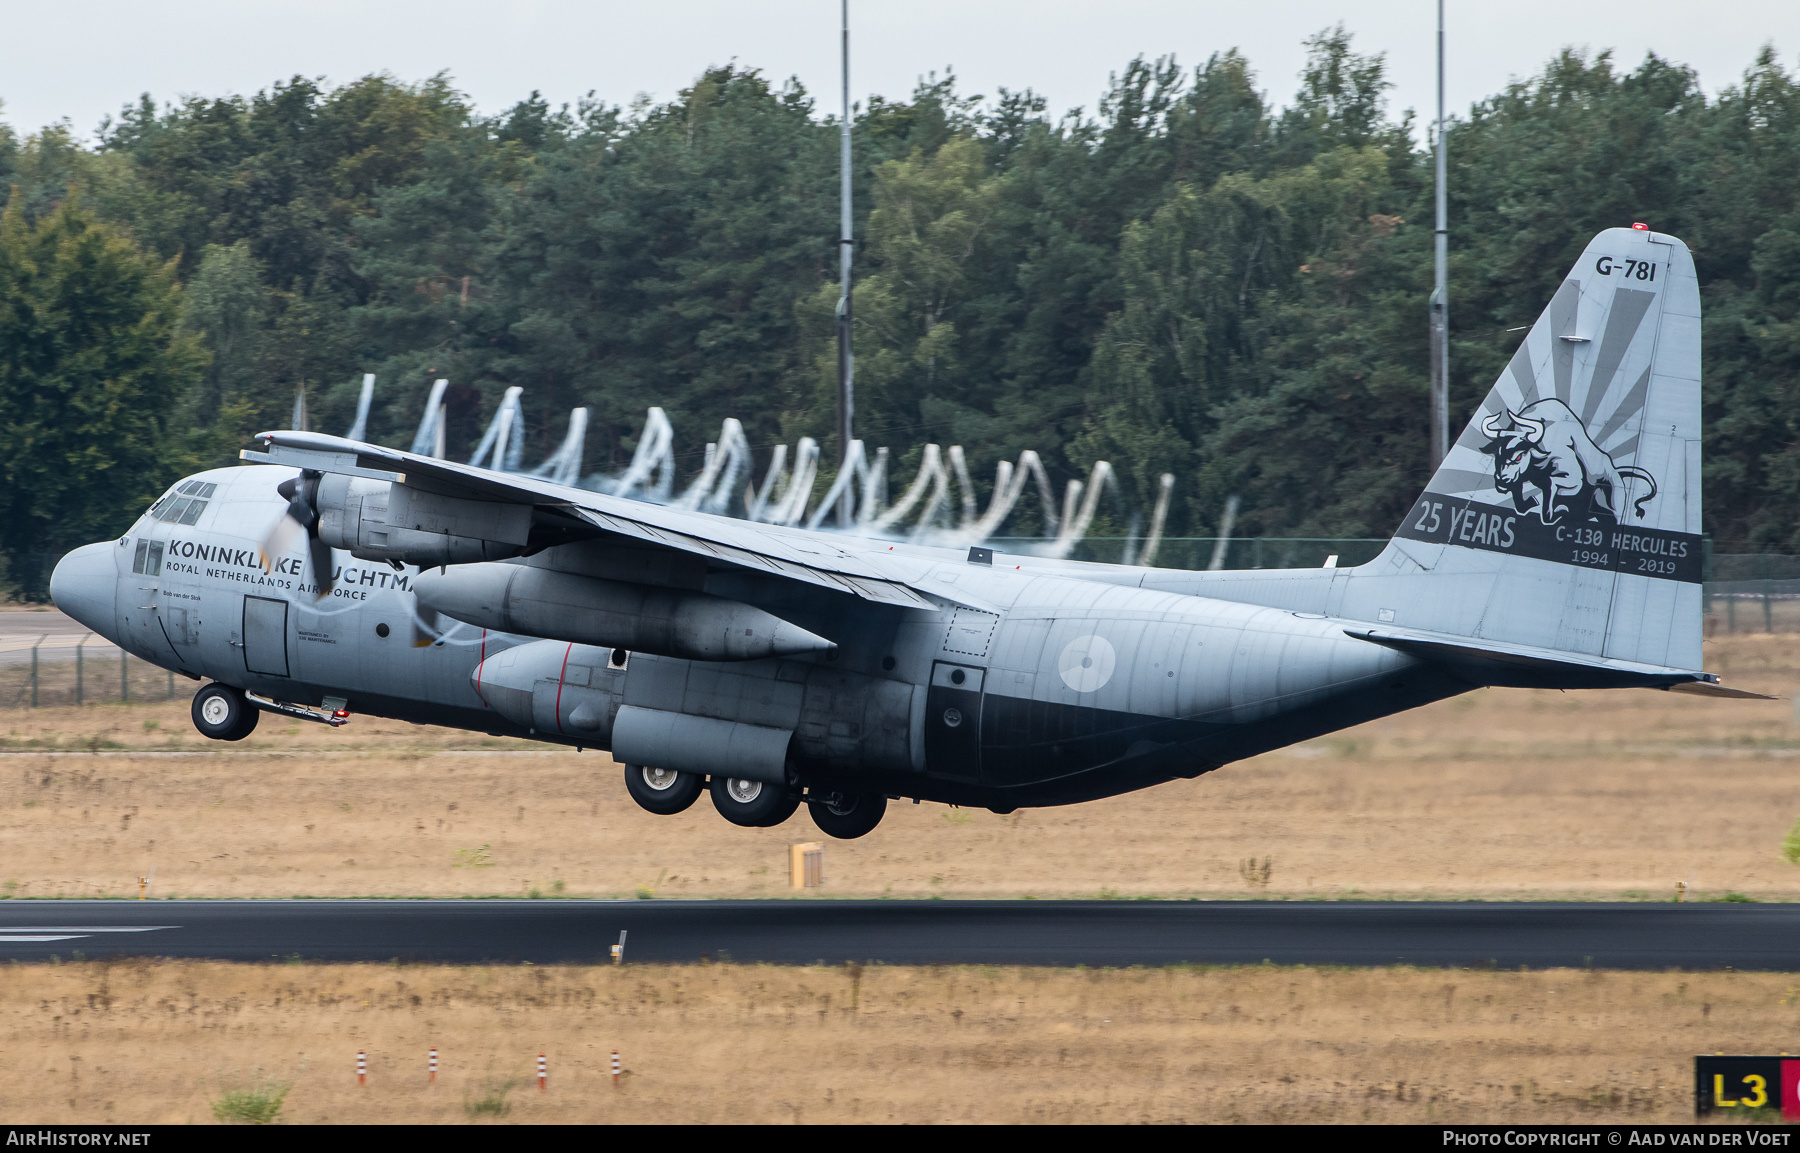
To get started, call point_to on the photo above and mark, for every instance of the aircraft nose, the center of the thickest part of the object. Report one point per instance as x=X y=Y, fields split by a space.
x=85 y=584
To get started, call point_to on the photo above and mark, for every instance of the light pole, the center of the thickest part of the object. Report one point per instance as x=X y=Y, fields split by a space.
x=1440 y=296
x=846 y=400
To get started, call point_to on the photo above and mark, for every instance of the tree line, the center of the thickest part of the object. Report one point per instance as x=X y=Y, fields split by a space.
x=1190 y=278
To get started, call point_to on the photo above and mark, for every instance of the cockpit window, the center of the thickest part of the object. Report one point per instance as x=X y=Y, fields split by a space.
x=185 y=504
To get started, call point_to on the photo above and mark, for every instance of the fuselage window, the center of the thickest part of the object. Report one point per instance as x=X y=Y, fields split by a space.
x=148 y=559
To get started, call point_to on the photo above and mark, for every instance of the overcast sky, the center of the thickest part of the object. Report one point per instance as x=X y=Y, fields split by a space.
x=83 y=61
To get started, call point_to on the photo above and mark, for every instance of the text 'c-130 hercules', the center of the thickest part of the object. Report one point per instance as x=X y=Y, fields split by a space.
x=776 y=667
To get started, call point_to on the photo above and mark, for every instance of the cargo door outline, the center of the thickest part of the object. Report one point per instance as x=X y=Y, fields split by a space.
x=265 y=636
x=953 y=721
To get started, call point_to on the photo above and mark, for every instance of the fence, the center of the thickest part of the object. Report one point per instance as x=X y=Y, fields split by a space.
x=1752 y=593
x=1743 y=592
x=88 y=679
x=1197 y=552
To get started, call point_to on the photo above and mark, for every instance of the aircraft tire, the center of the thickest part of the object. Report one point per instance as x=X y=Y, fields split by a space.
x=848 y=816
x=753 y=804
x=222 y=713
x=662 y=791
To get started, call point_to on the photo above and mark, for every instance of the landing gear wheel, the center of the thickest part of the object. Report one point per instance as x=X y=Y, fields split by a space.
x=664 y=792
x=753 y=804
x=222 y=713
x=847 y=816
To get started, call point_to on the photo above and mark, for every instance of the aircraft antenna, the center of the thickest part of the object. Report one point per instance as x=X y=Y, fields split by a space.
x=1440 y=296
x=846 y=411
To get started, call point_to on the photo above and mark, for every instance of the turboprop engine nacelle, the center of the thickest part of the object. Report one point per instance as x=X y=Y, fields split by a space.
x=534 y=602
x=577 y=692
x=376 y=520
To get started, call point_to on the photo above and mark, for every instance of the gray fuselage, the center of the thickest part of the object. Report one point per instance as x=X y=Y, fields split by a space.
x=1045 y=683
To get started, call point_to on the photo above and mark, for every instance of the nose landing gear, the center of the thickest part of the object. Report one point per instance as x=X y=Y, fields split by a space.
x=222 y=713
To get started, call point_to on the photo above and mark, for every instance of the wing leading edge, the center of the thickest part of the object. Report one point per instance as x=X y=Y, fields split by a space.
x=812 y=558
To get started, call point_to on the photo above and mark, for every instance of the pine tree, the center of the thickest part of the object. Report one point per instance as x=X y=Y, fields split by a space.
x=91 y=366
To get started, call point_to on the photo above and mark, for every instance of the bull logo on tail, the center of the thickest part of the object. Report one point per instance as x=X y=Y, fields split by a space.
x=1546 y=461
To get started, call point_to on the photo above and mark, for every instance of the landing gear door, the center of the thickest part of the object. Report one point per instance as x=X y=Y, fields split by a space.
x=953 y=721
x=265 y=636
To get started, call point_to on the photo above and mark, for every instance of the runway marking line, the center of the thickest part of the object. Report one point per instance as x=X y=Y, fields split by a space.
x=273 y=752
x=32 y=934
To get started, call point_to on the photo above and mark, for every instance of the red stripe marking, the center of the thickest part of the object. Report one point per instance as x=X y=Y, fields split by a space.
x=483 y=661
x=559 y=686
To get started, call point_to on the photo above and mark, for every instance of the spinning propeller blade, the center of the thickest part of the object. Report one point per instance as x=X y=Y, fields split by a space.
x=302 y=516
x=427 y=627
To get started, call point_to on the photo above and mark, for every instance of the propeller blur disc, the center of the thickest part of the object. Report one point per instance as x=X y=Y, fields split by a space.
x=300 y=518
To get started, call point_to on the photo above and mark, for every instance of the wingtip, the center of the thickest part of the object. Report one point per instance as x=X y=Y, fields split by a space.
x=1712 y=688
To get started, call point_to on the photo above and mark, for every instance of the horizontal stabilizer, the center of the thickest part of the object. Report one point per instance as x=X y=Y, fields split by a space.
x=1715 y=689
x=1525 y=666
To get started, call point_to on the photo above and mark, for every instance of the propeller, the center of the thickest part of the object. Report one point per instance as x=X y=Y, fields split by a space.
x=427 y=627
x=302 y=516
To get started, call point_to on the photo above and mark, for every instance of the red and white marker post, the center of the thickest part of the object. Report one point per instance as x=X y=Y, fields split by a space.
x=431 y=1079
x=362 y=1068
x=543 y=1073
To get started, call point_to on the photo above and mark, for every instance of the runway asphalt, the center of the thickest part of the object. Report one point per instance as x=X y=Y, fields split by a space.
x=1094 y=933
x=56 y=633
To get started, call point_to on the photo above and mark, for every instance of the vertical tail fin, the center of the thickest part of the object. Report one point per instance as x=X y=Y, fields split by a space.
x=1567 y=514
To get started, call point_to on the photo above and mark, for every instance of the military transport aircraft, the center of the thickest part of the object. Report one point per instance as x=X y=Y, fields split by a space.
x=1558 y=546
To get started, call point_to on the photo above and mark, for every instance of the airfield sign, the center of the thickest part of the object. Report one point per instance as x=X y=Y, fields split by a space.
x=1737 y=1082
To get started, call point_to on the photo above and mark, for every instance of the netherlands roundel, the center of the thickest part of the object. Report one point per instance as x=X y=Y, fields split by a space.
x=1087 y=663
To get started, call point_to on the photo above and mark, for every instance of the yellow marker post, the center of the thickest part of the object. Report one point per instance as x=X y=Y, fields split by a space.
x=806 y=865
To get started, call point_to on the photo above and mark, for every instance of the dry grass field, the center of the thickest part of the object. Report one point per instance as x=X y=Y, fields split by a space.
x=1501 y=794
x=149 y=1042
x=1497 y=795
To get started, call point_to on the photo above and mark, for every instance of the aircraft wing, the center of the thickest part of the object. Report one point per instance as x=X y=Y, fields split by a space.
x=820 y=559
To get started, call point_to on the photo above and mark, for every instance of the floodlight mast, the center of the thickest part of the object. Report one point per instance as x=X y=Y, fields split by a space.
x=1440 y=296
x=846 y=405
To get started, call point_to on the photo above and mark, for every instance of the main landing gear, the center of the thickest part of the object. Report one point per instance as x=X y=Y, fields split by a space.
x=664 y=792
x=754 y=804
x=222 y=713
x=847 y=816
